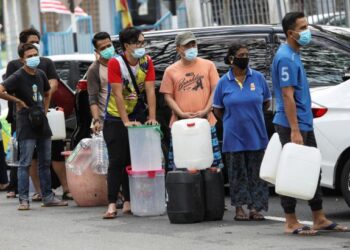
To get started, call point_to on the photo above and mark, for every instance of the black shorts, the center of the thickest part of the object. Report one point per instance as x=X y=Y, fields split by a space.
x=57 y=147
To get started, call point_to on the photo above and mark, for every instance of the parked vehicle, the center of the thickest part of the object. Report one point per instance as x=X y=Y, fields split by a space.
x=325 y=61
x=331 y=109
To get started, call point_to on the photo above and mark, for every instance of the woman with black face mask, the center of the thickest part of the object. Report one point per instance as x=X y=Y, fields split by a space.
x=240 y=98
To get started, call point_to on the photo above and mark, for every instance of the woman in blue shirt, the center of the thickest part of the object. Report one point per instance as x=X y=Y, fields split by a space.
x=240 y=99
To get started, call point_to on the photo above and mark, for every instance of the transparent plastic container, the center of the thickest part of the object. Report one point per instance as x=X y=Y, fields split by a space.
x=147 y=192
x=298 y=171
x=192 y=144
x=80 y=158
x=12 y=156
x=145 y=148
x=99 y=154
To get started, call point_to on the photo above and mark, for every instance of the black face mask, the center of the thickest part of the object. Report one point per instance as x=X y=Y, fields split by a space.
x=242 y=63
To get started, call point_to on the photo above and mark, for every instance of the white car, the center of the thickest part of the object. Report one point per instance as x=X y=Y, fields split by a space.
x=331 y=109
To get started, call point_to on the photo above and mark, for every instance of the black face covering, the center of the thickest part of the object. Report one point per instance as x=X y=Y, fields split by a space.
x=242 y=63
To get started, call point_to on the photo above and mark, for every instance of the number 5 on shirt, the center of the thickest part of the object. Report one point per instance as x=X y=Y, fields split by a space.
x=285 y=74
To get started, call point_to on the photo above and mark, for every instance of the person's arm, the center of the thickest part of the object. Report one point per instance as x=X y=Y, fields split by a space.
x=150 y=93
x=47 y=96
x=4 y=95
x=213 y=80
x=218 y=112
x=93 y=88
x=53 y=88
x=288 y=79
x=291 y=113
x=266 y=105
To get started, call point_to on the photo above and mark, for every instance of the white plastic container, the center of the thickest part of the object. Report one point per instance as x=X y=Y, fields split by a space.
x=192 y=144
x=57 y=124
x=147 y=192
x=145 y=148
x=269 y=164
x=298 y=171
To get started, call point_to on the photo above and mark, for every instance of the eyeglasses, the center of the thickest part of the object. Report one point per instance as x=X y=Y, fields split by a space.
x=139 y=43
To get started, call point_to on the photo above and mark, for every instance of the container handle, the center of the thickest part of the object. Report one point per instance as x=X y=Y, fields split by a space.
x=157 y=128
x=190 y=125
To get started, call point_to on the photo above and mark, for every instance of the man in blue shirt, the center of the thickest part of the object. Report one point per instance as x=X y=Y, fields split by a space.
x=293 y=118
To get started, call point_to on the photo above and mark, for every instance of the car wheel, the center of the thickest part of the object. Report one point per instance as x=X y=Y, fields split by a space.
x=345 y=182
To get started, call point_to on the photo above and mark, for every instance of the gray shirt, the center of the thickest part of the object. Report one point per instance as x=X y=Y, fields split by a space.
x=97 y=79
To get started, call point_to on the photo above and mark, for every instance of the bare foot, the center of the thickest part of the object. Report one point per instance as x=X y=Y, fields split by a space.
x=111 y=212
x=126 y=207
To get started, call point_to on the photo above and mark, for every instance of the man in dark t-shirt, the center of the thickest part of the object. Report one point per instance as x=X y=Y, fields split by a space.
x=47 y=66
x=29 y=87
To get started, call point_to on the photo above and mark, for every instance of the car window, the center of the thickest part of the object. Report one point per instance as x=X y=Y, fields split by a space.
x=215 y=49
x=163 y=52
x=70 y=72
x=324 y=62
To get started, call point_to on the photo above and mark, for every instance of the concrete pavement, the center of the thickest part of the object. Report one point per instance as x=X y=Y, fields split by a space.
x=82 y=228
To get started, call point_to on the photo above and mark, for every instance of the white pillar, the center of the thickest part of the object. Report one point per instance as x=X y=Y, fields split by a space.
x=194 y=13
x=13 y=25
x=106 y=8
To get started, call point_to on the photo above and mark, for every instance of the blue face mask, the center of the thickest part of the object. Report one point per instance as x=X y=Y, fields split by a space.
x=305 y=37
x=139 y=52
x=191 y=54
x=33 y=62
x=107 y=53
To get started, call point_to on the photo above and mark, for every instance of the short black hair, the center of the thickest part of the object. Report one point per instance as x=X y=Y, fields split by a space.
x=129 y=35
x=232 y=50
x=100 y=36
x=23 y=36
x=289 y=20
x=23 y=47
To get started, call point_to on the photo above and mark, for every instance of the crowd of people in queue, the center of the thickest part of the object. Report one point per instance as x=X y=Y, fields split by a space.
x=120 y=85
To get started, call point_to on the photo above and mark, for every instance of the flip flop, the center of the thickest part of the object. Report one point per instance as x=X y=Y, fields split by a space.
x=241 y=217
x=23 y=207
x=36 y=197
x=255 y=216
x=303 y=231
x=110 y=215
x=11 y=195
x=333 y=227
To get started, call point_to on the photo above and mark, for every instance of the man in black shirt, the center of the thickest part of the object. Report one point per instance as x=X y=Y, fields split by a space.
x=29 y=87
x=33 y=36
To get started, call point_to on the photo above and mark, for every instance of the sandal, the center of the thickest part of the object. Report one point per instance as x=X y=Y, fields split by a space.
x=67 y=196
x=23 y=205
x=36 y=197
x=110 y=215
x=256 y=216
x=127 y=207
x=240 y=215
x=11 y=195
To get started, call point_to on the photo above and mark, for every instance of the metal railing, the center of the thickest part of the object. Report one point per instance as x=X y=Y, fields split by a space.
x=325 y=12
x=62 y=42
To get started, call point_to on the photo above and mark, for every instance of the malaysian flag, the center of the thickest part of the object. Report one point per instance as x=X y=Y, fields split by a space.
x=58 y=7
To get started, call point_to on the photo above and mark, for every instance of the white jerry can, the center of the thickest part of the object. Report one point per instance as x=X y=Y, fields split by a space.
x=192 y=143
x=269 y=165
x=57 y=124
x=298 y=171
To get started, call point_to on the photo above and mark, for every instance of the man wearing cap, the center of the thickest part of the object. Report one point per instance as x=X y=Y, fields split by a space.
x=188 y=86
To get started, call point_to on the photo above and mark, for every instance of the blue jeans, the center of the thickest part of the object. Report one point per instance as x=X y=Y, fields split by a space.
x=43 y=147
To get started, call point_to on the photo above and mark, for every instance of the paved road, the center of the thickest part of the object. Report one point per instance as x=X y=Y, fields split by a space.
x=82 y=228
